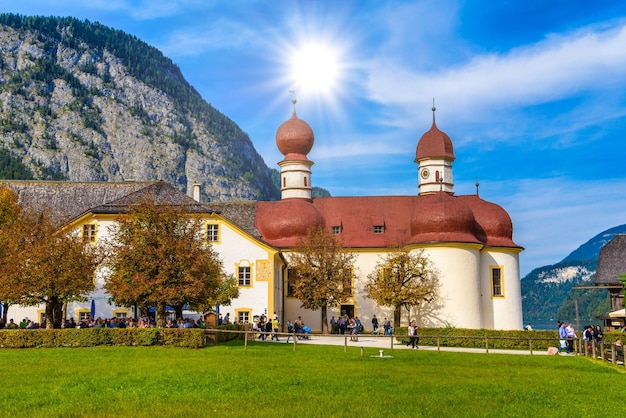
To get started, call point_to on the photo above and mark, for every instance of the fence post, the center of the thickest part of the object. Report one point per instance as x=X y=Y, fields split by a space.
x=487 y=344
x=602 y=352
x=530 y=345
x=295 y=341
x=245 y=340
x=438 y=343
x=613 y=354
x=391 y=340
x=593 y=349
x=345 y=344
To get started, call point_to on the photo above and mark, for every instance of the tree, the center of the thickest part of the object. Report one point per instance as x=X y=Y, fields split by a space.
x=402 y=279
x=10 y=215
x=322 y=271
x=159 y=257
x=47 y=266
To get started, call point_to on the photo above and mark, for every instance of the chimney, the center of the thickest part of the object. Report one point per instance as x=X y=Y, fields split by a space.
x=196 y=192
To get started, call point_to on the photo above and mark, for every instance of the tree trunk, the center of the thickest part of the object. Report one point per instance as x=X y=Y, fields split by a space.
x=397 y=315
x=324 y=320
x=5 y=311
x=54 y=310
x=160 y=314
x=178 y=309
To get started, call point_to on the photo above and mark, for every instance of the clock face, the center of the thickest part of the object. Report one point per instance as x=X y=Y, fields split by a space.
x=425 y=173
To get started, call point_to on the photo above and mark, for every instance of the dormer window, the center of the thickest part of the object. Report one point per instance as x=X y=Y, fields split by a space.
x=336 y=230
x=378 y=229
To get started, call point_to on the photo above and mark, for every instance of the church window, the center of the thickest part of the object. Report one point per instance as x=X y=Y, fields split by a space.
x=346 y=282
x=284 y=181
x=290 y=284
x=437 y=176
x=497 y=284
x=244 y=275
x=305 y=182
x=89 y=233
x=243 y=317
x=212 y=232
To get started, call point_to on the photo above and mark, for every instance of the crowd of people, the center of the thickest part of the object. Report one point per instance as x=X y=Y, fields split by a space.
x=114 y=322
x=567 y=335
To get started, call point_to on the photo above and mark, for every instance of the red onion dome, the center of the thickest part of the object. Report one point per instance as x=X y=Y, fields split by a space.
x=285 y=221
x=434 y=144
x=294 y=136
x=440 y=217
x=494 y=224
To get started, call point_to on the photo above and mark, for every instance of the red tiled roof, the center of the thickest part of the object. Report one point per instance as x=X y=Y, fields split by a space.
x=434 y=143
x=406 y=220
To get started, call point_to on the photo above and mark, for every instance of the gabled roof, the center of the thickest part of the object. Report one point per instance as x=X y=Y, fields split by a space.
x=612 y=261
x=66 y=200
x=241 y=213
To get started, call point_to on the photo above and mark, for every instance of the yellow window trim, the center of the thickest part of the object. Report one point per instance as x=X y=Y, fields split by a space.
x=245 y=263
x=491 y=269
x=219 y=232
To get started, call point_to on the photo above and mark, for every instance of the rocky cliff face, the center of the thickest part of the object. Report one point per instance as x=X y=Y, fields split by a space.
x=83 y=102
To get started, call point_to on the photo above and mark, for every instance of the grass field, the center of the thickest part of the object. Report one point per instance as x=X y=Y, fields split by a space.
x=316 y=381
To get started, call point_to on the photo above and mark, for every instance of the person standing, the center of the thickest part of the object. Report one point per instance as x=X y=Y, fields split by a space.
x=374 y=325
x=413 y=337
x=563 y=338
x=571 y=334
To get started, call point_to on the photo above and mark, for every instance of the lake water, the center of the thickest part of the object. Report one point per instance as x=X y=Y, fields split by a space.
x=551 y=324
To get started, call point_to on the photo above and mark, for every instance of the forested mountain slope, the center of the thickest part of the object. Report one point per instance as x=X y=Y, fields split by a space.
x=548 y=292
x=84 y=102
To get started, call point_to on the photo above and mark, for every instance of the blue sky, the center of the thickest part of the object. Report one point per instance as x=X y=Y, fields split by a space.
x=532 y=93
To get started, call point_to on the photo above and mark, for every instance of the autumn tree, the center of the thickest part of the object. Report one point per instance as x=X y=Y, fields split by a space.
x=321 y=270
x=46 y=266
x=402 y=279
x=10 y=217
x=159 y=257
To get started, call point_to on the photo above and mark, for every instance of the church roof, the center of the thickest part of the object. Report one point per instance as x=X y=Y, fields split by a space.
x=387 y=221
x=434 y=144
x=612 y=261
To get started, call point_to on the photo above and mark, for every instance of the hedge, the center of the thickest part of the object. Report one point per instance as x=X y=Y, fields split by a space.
x=498 y=339
x=188 y=338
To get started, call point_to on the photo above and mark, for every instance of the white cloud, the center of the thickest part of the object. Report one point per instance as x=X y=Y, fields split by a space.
x=557 y=68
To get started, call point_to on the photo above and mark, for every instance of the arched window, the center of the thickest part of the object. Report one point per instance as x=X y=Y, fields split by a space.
x=305 y=182
x=284 y=181
x=437 y=176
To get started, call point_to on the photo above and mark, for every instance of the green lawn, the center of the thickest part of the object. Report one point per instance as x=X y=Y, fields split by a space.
x=273 y=380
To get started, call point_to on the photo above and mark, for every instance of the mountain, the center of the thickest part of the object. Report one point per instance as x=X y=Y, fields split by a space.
x=548 y=292
x=81 y=101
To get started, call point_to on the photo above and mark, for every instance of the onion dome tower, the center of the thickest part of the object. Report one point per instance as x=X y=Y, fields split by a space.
x=295 y=139
x=434 y=155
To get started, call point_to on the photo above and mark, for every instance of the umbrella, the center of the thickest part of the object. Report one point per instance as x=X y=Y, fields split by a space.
x=621 y=313
x=93 y=308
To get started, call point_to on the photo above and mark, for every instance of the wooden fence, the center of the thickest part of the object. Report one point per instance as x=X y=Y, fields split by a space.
x=605 y=352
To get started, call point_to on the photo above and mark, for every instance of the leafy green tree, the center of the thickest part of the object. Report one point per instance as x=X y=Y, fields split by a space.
x=158 y=257
x=402 y=279
x=321 y=271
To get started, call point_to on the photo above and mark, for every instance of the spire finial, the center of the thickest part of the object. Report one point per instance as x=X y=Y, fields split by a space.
x=293 y=100
x=434 y=108
x=477 y=184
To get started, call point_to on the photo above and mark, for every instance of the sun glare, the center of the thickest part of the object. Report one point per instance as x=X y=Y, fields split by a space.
x=315 y=69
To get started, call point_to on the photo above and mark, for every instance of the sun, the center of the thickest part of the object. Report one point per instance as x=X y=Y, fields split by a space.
x=315 y=68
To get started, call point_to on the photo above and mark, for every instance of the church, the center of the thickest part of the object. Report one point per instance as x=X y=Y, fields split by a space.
x=468 y=240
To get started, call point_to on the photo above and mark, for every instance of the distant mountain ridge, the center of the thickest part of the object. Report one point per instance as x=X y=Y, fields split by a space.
x=547 y=292
x=84 y=102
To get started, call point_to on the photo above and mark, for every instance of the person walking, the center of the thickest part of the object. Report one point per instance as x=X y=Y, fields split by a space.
x=413 y=337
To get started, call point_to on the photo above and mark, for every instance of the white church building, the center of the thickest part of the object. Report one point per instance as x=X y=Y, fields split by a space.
x=468 y=240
